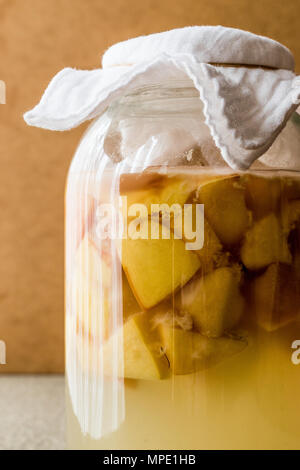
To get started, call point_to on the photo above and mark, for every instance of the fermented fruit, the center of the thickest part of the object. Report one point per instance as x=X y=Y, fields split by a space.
x=137 y=350
x=225 y=208
x=157 y=267
x=265 y=243
x=214 y=301
x=276 y=297
x=189 y=352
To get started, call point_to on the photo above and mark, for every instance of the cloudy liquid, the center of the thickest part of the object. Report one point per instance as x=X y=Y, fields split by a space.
x=252 y=402
x=248 y=401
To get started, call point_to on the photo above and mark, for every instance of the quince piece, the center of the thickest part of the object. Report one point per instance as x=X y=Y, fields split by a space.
x=163 y=190
x=212 y=246
x=92 y=293
x=156 y=267
x=80 y=209
x=167 y=314
x=93 y=261
x=290 y=215
x=265 y=243
x=91 y=304
x=130 y=305
x=211 y=250
x=160 y=189
x=262 y=194
x=291 y=187
x=214 y=301
x=275 y=296
x=225 y=207
x=139 y=181
x=139 y=350
x=189 y=352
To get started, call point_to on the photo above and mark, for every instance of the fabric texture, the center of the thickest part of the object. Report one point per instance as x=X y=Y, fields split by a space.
x=245 y=108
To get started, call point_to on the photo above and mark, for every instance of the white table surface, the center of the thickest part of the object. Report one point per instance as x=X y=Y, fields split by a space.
x=32 y=412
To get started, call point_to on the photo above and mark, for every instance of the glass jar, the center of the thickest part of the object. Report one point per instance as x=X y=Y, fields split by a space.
x=182 y=283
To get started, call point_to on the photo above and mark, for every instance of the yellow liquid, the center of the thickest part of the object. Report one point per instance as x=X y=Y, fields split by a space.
x=249 y=401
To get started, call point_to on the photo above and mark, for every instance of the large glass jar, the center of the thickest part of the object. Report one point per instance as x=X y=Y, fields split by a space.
x=182 y=283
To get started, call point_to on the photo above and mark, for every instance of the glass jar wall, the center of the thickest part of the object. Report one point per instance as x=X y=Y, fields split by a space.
x=182 y=284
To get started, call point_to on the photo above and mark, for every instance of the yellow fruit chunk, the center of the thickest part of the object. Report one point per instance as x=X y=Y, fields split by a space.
x=155 y=188
x=211 y=250
x=290 y=215
x=291 y=187
x=80 y=208
x=140 y=181
x=225 y=208
x=92 y=267
x=214 y=301
x=167 y=314
x=130 y=305
x=275 y=297
x=162 y=190
x=265 y=243
x=90 y=290
x=190 y=352
x=138 y=348
x=212 y=247
x=157 y=267
x=262 y=194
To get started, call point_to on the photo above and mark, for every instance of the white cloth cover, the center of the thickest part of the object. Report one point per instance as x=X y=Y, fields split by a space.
x=245 y=108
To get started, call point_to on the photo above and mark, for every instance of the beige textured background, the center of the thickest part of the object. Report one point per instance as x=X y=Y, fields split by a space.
x=38 y=38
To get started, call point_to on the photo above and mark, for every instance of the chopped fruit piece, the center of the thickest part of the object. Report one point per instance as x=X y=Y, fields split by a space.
x=90 y=262
x=91 y=273
x=290 y=215
x=80 y=209
x=157 y=267
x=275 y=296
x=212 y=247
x=189 y=352
x=174 y=190
x=265 y=243
x=92 y=304
x=139 y=181
x=139 y=349
x=130 y=305
x=177 y=191
x=211 y=250
x=214 y=301
x=163 y=199
x=87 y=213
x=161 y=189
x=262 y=194
x=225 y=208
x=165 y=314
x=291 y=187
x=92 y=310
